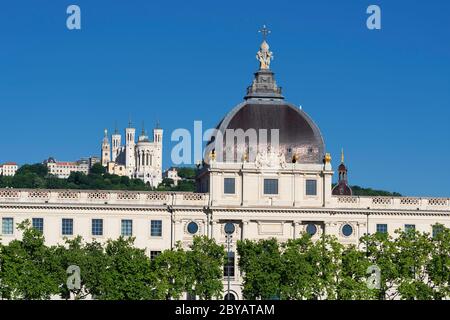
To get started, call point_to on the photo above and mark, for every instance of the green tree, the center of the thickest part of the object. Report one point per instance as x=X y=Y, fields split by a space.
x=27 y=270
x=169 y=268
x=39 y=169
x=298 y=273
x=97 y=169
x=186 y=172
x=382 y=251
x=204 y=268
x=128 y=273
x=91 y=260
x=352 y=284
x=413 y=252
x=359 y=191
x=262 y=268
x=438 y=265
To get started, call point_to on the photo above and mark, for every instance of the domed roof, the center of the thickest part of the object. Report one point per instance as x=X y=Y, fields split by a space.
x=298 y=134
x=254 y=123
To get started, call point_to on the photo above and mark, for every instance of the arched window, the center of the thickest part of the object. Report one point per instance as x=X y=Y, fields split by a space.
x=230 y=296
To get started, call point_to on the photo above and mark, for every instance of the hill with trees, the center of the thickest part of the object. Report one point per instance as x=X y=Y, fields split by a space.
x=36 y=176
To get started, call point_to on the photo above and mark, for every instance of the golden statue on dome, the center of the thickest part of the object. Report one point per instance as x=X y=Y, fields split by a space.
x=264 y=55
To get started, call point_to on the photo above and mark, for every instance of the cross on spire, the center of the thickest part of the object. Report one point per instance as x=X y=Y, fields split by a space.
x=264 y=31
x=143 y=128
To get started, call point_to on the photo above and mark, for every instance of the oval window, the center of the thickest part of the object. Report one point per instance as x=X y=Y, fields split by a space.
x=311 y=229
x=347 y=230
x=192 y=227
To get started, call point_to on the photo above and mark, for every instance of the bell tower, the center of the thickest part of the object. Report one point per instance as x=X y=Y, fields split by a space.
x=116 y=142
x=130 y=143
x=342 y=188
x=106 y=150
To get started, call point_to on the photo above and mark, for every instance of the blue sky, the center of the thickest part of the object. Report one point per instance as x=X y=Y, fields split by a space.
x=382 y=95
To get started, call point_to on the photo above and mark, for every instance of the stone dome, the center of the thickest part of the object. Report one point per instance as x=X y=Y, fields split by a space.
x=264 y=107
x=298 y=135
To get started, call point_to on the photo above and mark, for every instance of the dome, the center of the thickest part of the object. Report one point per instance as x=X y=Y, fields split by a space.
x=264 y=120
x=298 y=134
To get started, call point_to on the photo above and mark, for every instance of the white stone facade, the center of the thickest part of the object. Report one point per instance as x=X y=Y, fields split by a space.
x=254 y=219
x=172 y=173
x=63 y=169
x=8 y=169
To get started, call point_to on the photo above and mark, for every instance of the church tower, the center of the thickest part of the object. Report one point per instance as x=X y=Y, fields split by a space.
x=342 y=188
x=106 y=150
x=157 y=160
x=116 y=142
x=130 y=160
x=157 y=134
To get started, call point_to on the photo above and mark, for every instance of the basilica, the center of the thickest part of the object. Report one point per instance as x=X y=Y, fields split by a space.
x=279 y=188
x=141 y=160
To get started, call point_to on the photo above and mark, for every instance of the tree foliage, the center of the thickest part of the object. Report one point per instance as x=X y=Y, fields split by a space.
x=413 y=265
x=115 y=270
x=360 y=191
x=27 y=267
x=36 y=176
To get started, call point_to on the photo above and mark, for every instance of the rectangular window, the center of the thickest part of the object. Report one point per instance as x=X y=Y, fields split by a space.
x=311 y=187
x=437 y=229
x=7 y=225
x=127 y=228
x=156 y=228
x=228 y=269
x=229 y=186
x=410 y=227
x=97 y=227
x=270 y=186
x=382 y=228
x=67 y=227
x=38 y=224
x=154 y=254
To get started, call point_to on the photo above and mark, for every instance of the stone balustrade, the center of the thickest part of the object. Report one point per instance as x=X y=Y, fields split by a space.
x=102 y=197
x=112 y=197
x=392 y=203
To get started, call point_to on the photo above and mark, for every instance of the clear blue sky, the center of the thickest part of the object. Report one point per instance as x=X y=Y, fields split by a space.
x=382 y=95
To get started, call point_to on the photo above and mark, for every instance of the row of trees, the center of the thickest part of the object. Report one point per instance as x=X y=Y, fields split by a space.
x=360 y=191
x=413 y=265
x=115 y=270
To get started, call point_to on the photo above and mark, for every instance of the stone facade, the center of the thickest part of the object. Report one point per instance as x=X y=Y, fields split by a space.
x=8 y=169
x=63 y=169
x=254 y=219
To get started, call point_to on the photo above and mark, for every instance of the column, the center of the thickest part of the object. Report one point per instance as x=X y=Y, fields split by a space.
x=296 y=229
x=213 y=225
x=244 y=227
